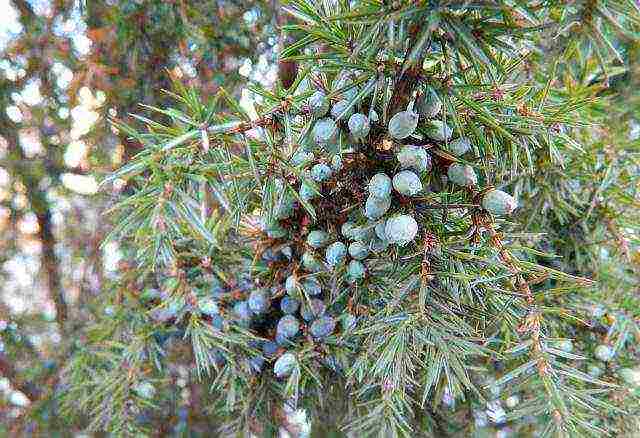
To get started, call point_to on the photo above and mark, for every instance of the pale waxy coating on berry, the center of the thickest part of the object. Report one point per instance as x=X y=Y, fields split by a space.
x=336 y=162
x=359 y=125
x=310 y=262
x=401 y=229
x=414 y=157
x=322 y=327
x=302 y=157
x=336 y=253
x=379 y=229
x=407 y=183
x=438 y=130
x=259 y=301
x=364 y=233
x=347 y=230
x=355 y=270
x=318 y=104
x=428 y=104
x=307 y=191
x=499 y=203
x=288 y=326
x=291 y=285
x=325 y=131
x=358 y=250
x=321 y=172
x=339 y=108
x=462 y=175
x=312 y=287
x=284 y=365
x=289 y=305
x=403 y=124
x=375 y=207
x=378 y=245
x=317 y=239
x=459 y=146
x=380 y=185
x=145 y=390
x=242 y=310
x=603 y=352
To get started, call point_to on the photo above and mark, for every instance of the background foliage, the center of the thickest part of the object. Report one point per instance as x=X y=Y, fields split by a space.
x=501 y=335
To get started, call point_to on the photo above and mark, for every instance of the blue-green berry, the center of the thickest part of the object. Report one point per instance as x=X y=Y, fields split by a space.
x=438 y=130
x=310 y=262
x=288 y=326
x=302 y=157
x=414 y=157
x=321 y=172
x=347 y=230
x=317 y=239
x=403 y=124
x=284 y=365
x=145 y=390
x=341 y=107
x=378 y=245
x=459 y=146
x=285 y=206
x=603 y=352
x=359 y=125
x=355 y=270
x=363 y=233
x=318 y=104
x=379 y=229
x=208 y=306
x=308 y=191
x=358 y=250
x=499 y=203
x=375 y=208
x=462 y=175
x=380 y=185
x=242 y=310
x=336 y=162
x=256 y=363
x=401 y=229
x=312 y=287
x=322 y=327
x=289 y=305
x=428 y=103
x=336 y=253
x=594 y=370
x=269 y=349
x=348 y=321
x=291 y=285
x=314 y=309
x=325 y=131
x=259 y=301
x=407 y=183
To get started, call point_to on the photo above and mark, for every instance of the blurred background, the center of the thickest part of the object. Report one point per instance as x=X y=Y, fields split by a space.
x=66 y=69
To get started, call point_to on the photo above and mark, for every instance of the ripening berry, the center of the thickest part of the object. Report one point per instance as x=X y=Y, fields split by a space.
x=302 y=157
x=317 y=239
x=462 y=175
x=242 y=310
x=603 y=352
x=322 y=327
x=288 y=326
x=321 y=172
x=359 y=125
x=355 y=270
x=403 y=124
x=379 y=229
x=363 y=233
x=145 y=390
x=310 y=262
x=438 y=130
x=459 y=146
x=373 y=115
x=378 y=245
x=347 y=230
x=325 y=131
x=291 y=285
x=318 y=104
x=258 y=301
x=312 y=287
x=289 y=305
x=284 y=365
x=336 y=162
x=269 y=349
x=414 y=157
x=428 y=104
x=314 y=309
x=594 y=370
x=376 y=207
x=564 y=345
x=307 y=191
x=336 y=253
x=630 y=376
x=358 y=250
x=208 y=306
x=340 y=107
x=407 y=183
x=401 y=229
x=499 y=203
x=380 y=185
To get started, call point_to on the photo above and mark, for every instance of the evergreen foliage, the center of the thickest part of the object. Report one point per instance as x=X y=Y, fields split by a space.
x=489 y=281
